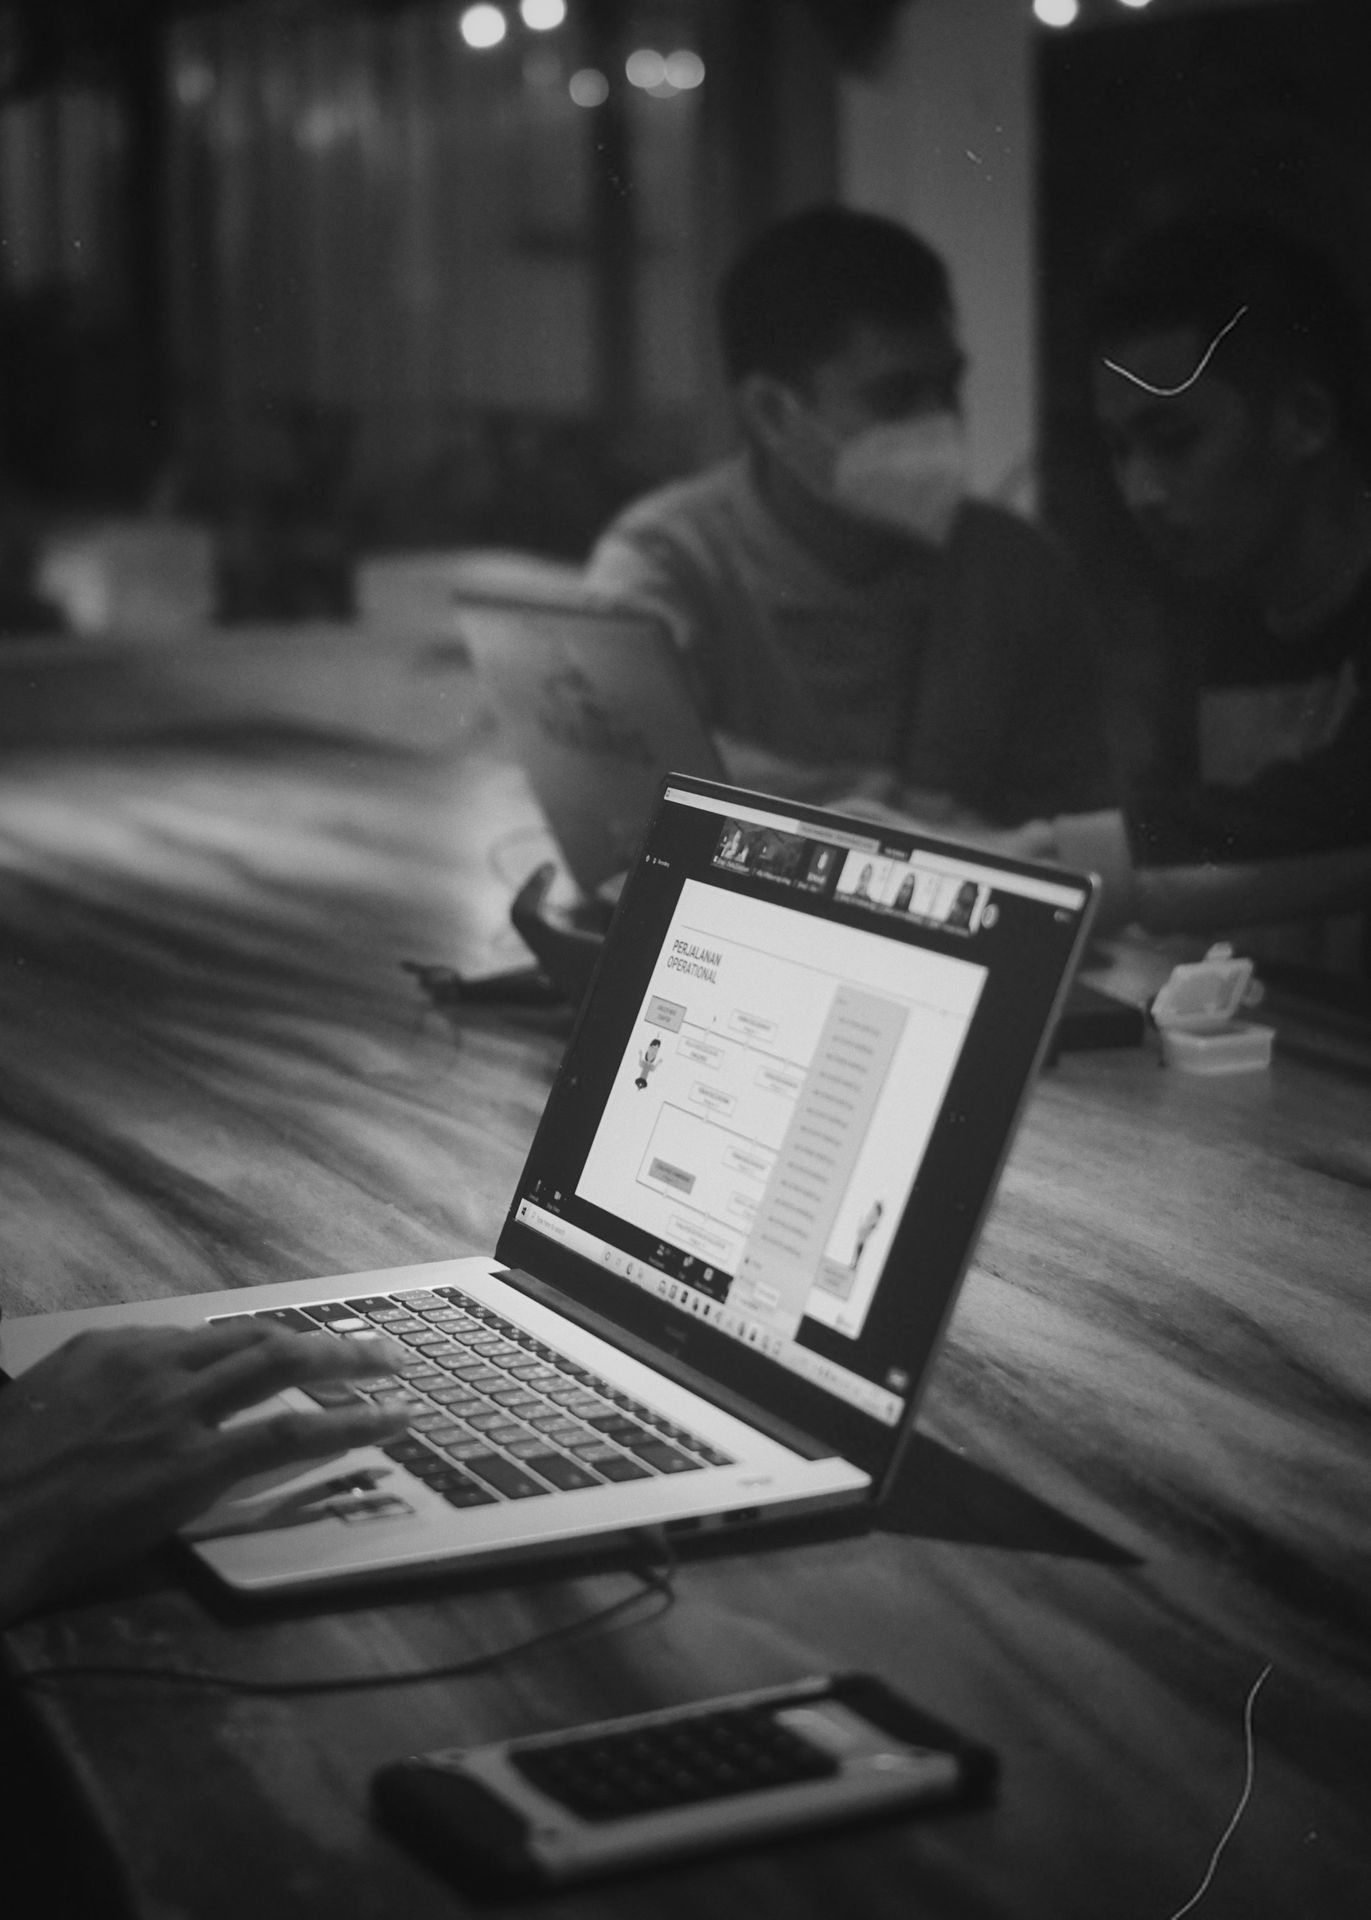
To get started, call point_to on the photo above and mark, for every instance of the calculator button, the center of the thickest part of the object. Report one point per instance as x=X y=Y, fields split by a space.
x=681 y=1761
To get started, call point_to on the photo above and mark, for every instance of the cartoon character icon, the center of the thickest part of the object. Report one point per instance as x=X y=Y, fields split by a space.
x=647 y=1060
x=964 y=905
x=868 y=1224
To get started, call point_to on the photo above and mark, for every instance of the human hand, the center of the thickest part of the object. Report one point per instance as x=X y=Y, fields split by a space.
x=925 y=810
x=940 y=813
x=1030 y=840
x=819 y=782
x=117 y=1438
x=878 y=798
x=885 y=801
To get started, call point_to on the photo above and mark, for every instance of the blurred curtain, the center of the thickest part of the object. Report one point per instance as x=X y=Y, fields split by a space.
x=386 y=253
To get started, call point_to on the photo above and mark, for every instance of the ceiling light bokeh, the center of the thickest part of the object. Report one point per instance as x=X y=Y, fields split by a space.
x=645 y=68
x=588 y=87
x=684 y=70
x=482 y=27
x=542 y=16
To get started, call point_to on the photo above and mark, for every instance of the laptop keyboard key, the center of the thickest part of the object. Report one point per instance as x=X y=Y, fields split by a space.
x=457 y=1395
x=504 y=1476
x=561 y=1471
x=287 y=1317
x=616 y=1427
x=430 y=1470
x=465 y=1449
x=407 y=1451
x=662 y=1458
x=614 y=1466
x=465 y=1493
x=337 y=1317
x=332 y=1393
x=376 y=1385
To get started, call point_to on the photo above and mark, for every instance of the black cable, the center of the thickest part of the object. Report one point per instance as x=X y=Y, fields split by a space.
x=660 y=1581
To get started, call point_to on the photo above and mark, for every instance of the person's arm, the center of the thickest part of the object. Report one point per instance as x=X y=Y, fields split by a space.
x=641 y=567
x=749 y=764
x=117 y=1438
x=1315 y=805
x=1199 y=895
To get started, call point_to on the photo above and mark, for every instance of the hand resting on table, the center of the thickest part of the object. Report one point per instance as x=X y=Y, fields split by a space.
x=115 y=1440
x=919 y=811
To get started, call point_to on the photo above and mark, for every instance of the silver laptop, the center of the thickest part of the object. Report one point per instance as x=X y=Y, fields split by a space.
x=741 y=1228
x=596 y=707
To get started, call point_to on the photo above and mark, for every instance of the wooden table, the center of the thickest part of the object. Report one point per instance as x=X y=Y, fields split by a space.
x=1139 y=1491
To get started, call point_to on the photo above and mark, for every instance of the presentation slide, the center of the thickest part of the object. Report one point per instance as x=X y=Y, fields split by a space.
x=773 y=1107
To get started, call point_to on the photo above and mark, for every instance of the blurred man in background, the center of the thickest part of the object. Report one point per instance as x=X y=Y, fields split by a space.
x=854 y=623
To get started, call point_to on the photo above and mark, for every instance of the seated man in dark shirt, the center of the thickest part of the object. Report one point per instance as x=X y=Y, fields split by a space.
x=854 y=623
x=1230 y=384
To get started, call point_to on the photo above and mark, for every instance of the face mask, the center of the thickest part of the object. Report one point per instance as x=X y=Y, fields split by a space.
x=909 y=474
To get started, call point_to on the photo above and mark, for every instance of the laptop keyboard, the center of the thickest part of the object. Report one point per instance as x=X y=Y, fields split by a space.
x=504 y=1415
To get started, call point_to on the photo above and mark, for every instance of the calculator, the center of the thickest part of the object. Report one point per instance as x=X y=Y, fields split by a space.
x=549 y=1809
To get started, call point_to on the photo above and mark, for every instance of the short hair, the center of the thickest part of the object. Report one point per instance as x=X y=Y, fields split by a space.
x=1299 y=318
x=793 y=298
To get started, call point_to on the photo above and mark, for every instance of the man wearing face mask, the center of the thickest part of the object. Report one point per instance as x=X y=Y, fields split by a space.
x=854 y=623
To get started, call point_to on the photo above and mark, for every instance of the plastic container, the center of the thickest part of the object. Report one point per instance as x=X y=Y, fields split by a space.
x=1194 y=1014
x=1235 y=1046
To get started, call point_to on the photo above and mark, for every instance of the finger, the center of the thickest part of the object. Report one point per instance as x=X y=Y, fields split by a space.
x=160 y=1346
x=254 y=1446
x=109 y=1366
x=283 y=1359
x=242 y=1333
x=204 y=1345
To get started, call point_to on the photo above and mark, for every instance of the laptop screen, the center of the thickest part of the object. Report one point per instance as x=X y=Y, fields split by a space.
x=786 y=1101
x=595 y=704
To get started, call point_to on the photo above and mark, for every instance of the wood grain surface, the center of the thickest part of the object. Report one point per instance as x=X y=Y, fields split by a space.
x=1140 y=1486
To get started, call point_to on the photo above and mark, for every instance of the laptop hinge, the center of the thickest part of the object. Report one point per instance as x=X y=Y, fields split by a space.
x=615 y=1335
